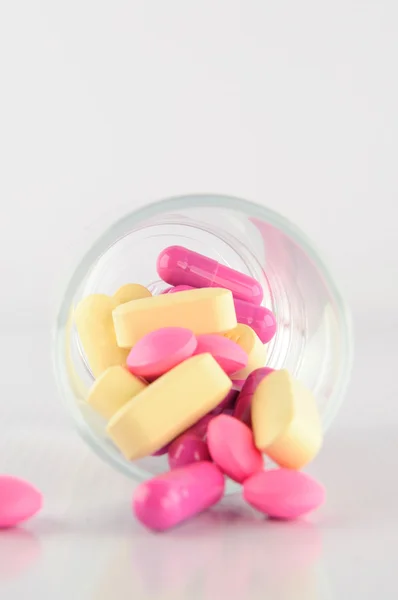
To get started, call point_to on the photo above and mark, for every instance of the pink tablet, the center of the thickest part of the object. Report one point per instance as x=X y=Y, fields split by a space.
x=161 y=350
x=19 y=501
x=229 y=355
x=232 y=448
x=283 y=493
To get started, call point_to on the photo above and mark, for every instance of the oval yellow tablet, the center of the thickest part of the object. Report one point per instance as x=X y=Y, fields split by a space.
x=113 y=389
x=206 y=310
x=130 y=291
x=94 y=323
x=169 y=406
x=285 y=420
x=246 y=338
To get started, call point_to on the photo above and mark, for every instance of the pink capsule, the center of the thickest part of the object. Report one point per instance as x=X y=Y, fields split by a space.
x=244 y=402
x=186 y=449
x=173 y=497
x=200 y=427
x=179 y=266
x=259 y=318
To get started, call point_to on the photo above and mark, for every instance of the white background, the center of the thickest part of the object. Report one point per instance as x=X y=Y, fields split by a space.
x=105 y=106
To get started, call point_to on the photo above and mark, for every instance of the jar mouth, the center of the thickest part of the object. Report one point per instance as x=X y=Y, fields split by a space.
x=166 y=213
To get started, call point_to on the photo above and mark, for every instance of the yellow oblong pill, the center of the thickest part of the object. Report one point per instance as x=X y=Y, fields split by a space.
x=169 y=406
x=206 y=310
x=113 y=389
x=285 y=420
x=94 y=324
x=256 y=351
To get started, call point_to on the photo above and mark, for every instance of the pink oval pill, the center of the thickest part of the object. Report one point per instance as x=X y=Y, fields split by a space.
x=283 y=493
x=173 y=497
x=244 y=403
x=19 y=501
x=232 y=448
x=161 y=350
x=229 y=355
x=179 y=266
x=186 y=449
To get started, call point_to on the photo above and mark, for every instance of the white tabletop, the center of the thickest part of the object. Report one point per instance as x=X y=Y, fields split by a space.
x=105 y=106
x=85 y=544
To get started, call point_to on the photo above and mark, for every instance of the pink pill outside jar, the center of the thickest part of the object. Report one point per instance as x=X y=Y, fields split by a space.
x=259 y=318
x=19 y=501
x=283 y=493
x=179 y=266
x=173 y=497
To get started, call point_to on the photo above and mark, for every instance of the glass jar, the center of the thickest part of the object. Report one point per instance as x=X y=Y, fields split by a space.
x=313 y=339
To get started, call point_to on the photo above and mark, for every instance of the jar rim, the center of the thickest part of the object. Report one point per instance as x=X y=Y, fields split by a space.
x=130 y=220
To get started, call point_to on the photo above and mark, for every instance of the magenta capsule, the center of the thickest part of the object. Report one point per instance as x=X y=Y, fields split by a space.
x=244 y=403
x=186 y=449
x=200 y=427
x=228 y=402
x=259 y=318
x=179 y=266
x=173 y=497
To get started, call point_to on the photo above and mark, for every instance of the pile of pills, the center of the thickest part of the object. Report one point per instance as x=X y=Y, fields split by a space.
x=184 y=373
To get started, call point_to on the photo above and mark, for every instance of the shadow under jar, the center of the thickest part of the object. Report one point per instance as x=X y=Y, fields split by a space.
x=313 y=339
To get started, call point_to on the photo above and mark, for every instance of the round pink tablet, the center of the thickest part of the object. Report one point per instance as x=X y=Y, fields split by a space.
x=173 y=497
x=229 y=355
x=19 y=501
x=186 y=449
x=232 y=448
x=161 y=350
x=283 y=493
x=244 y=402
